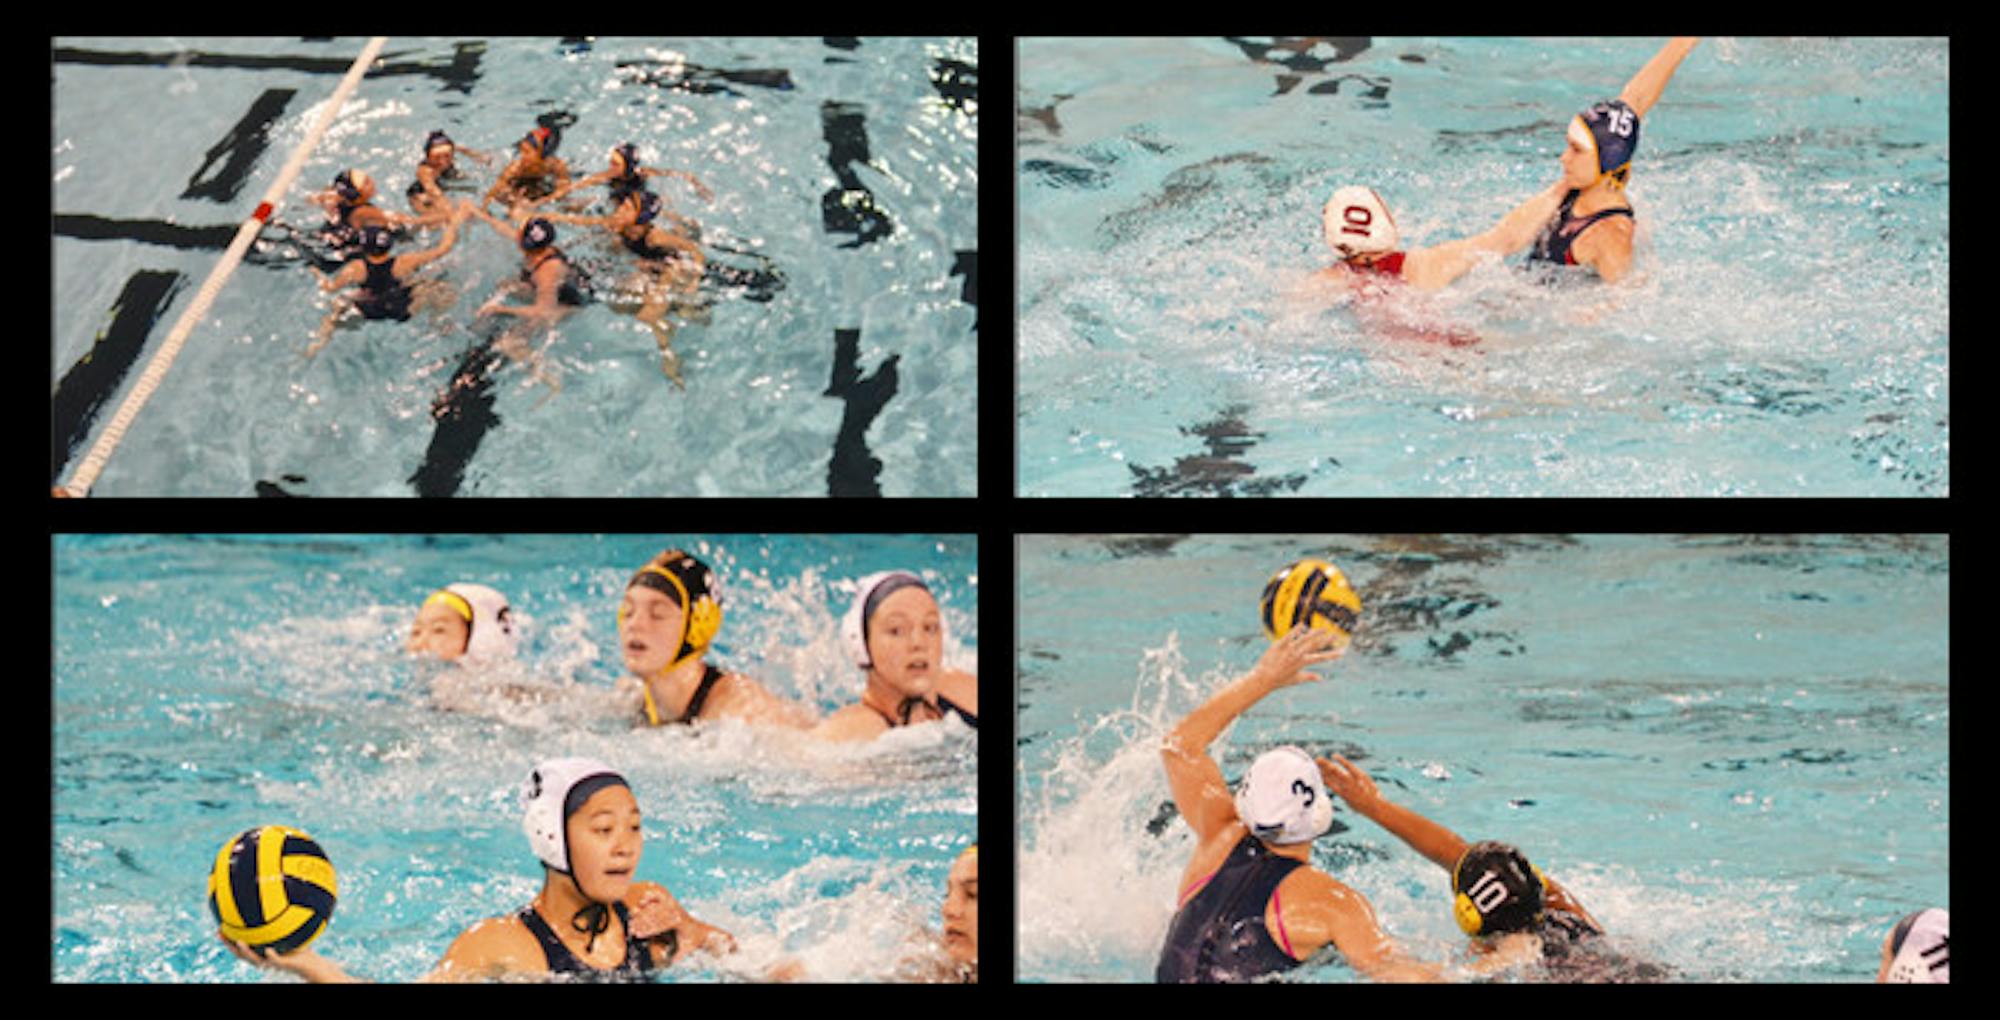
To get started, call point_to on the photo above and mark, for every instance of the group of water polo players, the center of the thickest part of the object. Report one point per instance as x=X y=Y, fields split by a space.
x=374 y=281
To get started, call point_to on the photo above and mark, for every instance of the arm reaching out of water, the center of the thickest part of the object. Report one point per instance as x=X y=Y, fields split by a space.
x=1432 y=268
x=1645 y=87
x=1441 y=845
x=1199 y=790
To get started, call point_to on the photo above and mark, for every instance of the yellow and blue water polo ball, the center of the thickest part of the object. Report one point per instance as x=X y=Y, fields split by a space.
x=1312 y=593
x=272 y=889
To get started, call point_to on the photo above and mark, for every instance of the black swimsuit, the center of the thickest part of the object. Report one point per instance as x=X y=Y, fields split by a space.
x=571 y=292
x=644 y=248
x=1563 y=229
x=1574 y=952
x=382 y=296
x=637 y=965
x=1219 y=935
x=944 y=705
x=710 y=675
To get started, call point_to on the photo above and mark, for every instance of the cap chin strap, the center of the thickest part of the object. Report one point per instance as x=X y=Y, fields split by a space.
x=593 y=918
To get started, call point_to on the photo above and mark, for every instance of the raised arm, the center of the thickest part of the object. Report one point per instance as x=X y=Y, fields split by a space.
x=1347 y=781
x=1645 y=87
x=1441 y=845
x=1198 y=787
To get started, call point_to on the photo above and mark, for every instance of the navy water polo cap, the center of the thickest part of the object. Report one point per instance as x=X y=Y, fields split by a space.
x=1614 y=133
x=537 y=233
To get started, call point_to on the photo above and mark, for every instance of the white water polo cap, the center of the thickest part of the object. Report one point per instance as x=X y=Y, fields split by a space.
x=1921 y=943
x=493 y=634
x=554 y=791
x=1282 y=798
x=1357 y=222
x=869 y=594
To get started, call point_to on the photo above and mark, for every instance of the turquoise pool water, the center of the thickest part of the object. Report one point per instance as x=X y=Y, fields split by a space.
x=1733 y=749
x=207 y=684
x=842 y=240
x=1787 y=331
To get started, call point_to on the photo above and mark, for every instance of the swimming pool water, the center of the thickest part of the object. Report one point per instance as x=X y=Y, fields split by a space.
x=1734 y=749
x=842 y=238
x=1786 y=333
x=206 y=684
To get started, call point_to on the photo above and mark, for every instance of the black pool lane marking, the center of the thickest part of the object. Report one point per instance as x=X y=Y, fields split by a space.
x=241 y=147
x=1219 y=471
x=458 y=74
x=850 y=208
x=87 y=227
x=702 y=81
x=966 y=264
x=957 y=82
x=463 y=414
x=89 y=383
x=854 y=471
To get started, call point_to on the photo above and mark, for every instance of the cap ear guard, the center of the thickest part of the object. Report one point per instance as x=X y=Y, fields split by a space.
x=1921 y=946
x=492 y=631
x=703 y=622
x=701 y=617
x=542 y=796
x=1467 y=915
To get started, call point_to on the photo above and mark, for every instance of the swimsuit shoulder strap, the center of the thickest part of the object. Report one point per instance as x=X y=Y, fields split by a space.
x=947 y=704
x=709 y=677
x=560 y=959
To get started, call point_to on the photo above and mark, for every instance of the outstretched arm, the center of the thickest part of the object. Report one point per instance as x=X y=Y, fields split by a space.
x=1645 y=87
x=1431 y=268
x=1334 y=913
x=700 y=188
x=1347 y=781
x=411 y=263
x=1441 y=845
x=1199 y=791
x=584 y=182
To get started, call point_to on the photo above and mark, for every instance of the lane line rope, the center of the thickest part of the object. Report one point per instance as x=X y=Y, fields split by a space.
x=93 y=463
